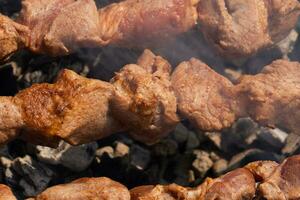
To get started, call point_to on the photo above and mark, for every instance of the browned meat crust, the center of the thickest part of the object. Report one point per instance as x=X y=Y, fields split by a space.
x=13 y=36
x=236 y=28
x=80 y=110
x=85 y=189
x=60 y=27
x=74 y=109
x=272 y=96
x=143 y=100
x=235 y=185
x=212 y=102
x=6 y=193
x=142 y=23
x=262 y=169
x=204 y=97
x=257 y=180
x=241 y=28
x=284 y=182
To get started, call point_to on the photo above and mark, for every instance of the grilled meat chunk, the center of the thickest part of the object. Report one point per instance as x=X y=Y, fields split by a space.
x=6 y=193
x=284 y=182
x=204 y=97
x=60 y=27
x=212 y=102
x=13 y=36
x=241 y=28
x=143 y=100
x=85 y=189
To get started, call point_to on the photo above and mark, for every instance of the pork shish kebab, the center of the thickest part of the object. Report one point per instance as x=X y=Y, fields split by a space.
x=236 y=28
x=59 y=27
x=142 y=100
x=139 y=99
x=258 y=180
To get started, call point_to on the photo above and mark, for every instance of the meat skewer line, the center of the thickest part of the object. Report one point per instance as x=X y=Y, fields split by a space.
x=146 y=101
x=258 y=180
x=235 y=28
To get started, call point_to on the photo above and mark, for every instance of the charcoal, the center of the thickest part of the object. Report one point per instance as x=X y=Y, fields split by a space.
x=251 y=155
x=271 y=139
x=219 y=167
x=121 y=149
x=75 y=158
x=286 y=46
x=10 y=177
x=292 y=144
x=192 y=141
x=239 y=137
x=202 y=163
x=139 y=157
x=178 y=169
x=180 y=134
x=8 y=79
x=34 y=176
x=4 y=151
x=107 y=150
x=215 y=138
x=166 y=147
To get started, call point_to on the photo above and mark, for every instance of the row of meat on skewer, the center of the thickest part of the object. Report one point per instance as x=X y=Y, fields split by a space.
x=258 y=180
x=147 y=101
x=234 y=28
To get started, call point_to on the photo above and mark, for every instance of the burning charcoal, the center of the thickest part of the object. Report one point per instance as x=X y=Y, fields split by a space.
x=8 y=79
x=35 y=176
x=76 y=158
x=215 y=138
x=139 y=157
x=214 y=156
x=251 y=155
x=192 y=141
x=166 y=147
x=202 y=163
x=4 y=151
x=6 y=193
x=292 y=144
x=108 y=150
x=271 y=139
x=121 y=149
x=179 y=168
x=247 y=129
x=286 y=46
x=180 y=134
x=239 y=136
x=10 y=176
x=219 y=167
